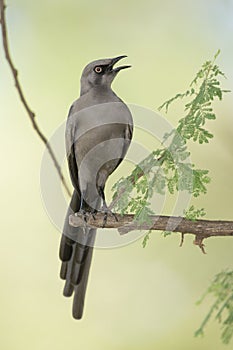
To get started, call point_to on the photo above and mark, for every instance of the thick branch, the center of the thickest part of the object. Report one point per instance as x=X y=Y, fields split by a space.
x=30 y=113
x=200 y=228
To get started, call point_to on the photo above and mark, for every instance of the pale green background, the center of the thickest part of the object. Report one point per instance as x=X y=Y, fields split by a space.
x=137 y=298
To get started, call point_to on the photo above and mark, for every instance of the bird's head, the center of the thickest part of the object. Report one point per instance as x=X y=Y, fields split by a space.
x=100 y=73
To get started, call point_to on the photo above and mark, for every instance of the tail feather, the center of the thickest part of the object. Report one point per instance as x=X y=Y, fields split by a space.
x=66 y=248
x=76 y=249
x=75 y=272
x=63 y=270
x=80 y=289
x=68 y=289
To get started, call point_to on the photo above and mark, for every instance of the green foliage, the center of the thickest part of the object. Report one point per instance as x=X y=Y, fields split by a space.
x=123 y=199
x=221 y=289
x=166 y=233
x=146 y=239
x=194 y=214
x=169 y=167
x=204 y=88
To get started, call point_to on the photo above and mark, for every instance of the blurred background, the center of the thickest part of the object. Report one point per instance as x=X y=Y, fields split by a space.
x=137 y=298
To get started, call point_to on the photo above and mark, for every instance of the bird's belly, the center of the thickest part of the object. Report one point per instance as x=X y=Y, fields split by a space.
x=98 y=153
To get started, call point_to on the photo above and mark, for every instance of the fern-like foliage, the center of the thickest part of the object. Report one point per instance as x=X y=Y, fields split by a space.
x=194 y=214
x=221 y=289
x=168 y=168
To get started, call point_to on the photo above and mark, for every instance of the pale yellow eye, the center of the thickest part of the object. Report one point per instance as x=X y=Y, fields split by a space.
x=98 y=70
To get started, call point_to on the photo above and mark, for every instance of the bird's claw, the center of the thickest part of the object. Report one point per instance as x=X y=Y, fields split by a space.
x=93 y=213
x=83 y=213
x=106 y=213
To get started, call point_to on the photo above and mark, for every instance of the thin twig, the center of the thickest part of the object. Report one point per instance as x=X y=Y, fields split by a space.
x=131 y=178
x=30 y=113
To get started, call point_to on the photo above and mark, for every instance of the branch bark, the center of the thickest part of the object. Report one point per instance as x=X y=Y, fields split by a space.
x=200 y=228
x=29 y=111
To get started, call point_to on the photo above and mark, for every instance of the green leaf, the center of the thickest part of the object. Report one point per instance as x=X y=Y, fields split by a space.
x=210 y=116
x=146 y=239
x=166 y=233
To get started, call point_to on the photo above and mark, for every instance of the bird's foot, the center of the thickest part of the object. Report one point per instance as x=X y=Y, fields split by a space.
x=93 y=213
x=83 y=214
x=107 y=212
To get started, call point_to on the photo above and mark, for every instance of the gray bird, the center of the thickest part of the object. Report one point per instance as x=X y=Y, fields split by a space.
x=98 y=133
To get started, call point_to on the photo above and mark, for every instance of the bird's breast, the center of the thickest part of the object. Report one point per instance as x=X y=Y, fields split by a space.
x=95 y=125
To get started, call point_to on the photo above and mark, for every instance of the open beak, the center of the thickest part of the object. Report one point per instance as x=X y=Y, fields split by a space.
x=114 y=61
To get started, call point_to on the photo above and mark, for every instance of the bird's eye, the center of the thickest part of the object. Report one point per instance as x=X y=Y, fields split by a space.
x=98 y=70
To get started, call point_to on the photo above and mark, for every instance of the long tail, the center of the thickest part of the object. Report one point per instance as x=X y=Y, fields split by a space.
x=76 y=250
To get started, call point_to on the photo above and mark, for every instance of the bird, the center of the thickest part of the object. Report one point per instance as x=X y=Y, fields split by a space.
x=99 y=130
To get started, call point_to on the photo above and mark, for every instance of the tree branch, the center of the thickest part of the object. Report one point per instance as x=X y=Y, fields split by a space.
x=30 y=113
x=202 y=229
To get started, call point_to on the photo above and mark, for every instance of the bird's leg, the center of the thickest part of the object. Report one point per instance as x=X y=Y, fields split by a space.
x=82 y=211
x=93 y=206
x=105 y=208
